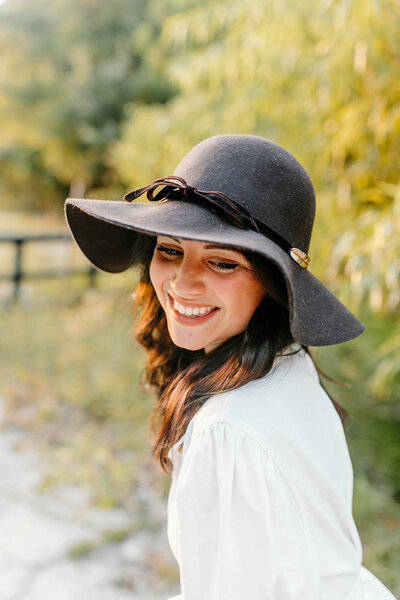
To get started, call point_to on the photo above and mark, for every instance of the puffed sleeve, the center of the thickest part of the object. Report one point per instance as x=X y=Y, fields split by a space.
x=241 y=528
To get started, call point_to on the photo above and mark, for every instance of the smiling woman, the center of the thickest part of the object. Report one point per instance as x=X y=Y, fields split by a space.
x=260 y=504
x=208 y=292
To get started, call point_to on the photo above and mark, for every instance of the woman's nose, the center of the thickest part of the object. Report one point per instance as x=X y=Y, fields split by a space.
x=187 y=280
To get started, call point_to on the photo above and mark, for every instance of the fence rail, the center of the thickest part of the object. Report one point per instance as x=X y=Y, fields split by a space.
x=18 y=275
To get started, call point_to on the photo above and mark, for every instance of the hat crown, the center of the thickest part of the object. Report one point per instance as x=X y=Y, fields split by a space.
x=261 y=177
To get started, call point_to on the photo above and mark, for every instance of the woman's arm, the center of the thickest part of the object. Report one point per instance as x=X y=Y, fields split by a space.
x=241 y=532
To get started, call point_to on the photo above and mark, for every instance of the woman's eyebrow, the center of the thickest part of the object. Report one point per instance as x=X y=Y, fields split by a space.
x=223 y=247
x=213 y=246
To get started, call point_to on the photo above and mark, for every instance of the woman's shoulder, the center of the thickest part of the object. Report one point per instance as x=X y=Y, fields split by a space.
x=287 y=403
x=286 y=414
x=291 y=375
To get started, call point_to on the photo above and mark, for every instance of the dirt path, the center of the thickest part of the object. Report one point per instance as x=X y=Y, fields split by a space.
x=55 y=545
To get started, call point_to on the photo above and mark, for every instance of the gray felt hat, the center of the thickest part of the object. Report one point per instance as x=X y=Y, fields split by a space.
x=241 y=190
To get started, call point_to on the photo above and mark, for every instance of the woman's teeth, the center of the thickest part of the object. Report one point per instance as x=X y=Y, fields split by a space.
x=189 y=311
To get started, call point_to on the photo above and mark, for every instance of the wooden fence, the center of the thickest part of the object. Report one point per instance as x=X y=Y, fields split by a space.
x=19 y=274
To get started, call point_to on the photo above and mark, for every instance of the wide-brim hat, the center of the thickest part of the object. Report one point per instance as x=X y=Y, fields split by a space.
x=239 y=190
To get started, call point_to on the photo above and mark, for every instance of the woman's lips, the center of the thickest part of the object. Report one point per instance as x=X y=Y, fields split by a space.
x=190 y=320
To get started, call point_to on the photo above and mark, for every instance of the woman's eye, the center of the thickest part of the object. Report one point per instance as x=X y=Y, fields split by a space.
x=221 y=266
x=173 y=253
x=168 y=252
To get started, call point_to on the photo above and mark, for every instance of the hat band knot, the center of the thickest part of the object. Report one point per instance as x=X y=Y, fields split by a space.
x=175 y=188
x=189 y=192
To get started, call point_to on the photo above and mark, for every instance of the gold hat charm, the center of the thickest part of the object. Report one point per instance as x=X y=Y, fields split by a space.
x=300 y=257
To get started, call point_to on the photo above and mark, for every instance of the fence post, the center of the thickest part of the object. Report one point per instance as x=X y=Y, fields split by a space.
x=92 y=276
x=18 y=268
x=20 y=272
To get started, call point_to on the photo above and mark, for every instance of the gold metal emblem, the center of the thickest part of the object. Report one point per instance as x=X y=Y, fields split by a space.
x=300 y=257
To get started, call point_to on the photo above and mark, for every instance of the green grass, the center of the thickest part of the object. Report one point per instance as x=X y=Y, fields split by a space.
x=69 y=374
x=111 y=536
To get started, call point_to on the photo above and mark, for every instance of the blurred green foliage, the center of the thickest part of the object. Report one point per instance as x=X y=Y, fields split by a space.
x=68 y=72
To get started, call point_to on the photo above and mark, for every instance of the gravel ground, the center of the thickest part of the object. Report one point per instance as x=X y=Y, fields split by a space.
x=55 y=545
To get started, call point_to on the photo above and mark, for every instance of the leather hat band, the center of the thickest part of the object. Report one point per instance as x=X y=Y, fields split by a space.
x=175 y=188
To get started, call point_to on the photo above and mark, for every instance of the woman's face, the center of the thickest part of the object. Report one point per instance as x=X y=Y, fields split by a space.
x=209 y=292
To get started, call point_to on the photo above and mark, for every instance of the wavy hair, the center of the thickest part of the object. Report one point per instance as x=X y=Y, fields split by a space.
x=183 y=379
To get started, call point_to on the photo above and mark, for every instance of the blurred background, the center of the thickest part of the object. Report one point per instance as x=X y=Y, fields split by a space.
x=97 y=98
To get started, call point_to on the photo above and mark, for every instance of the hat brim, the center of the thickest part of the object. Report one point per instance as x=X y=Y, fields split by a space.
x=106 y=232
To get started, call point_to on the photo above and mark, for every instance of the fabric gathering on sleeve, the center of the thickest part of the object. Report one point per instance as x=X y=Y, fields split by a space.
x=240 y=530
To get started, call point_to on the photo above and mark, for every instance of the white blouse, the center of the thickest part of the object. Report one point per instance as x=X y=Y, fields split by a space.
x=260 y=504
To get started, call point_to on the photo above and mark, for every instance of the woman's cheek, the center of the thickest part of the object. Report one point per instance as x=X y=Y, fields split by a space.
x=158 y=275
x=154 y=275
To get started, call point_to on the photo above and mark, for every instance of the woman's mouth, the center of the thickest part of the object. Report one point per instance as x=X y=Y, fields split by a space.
x=191 y=313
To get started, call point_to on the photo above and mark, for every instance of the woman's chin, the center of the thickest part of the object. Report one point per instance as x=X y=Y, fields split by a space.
x=186 y=342
x=190 y=339
x=188 y=346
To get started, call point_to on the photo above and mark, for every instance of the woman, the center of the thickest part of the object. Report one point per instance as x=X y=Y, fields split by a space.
x=260 y=504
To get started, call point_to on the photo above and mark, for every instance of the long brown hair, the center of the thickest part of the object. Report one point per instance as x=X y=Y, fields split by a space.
x=183 y=379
